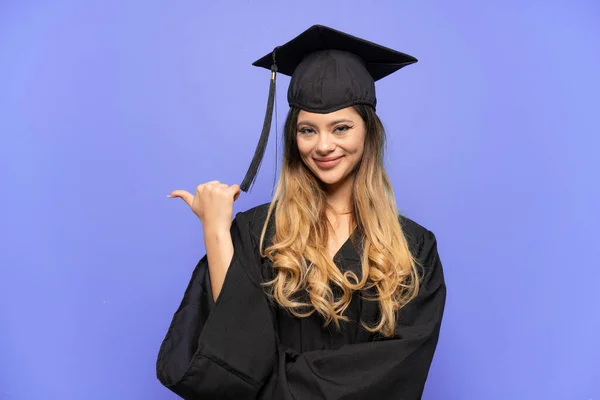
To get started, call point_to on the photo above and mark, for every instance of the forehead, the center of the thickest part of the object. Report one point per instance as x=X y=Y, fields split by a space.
x=318 y=118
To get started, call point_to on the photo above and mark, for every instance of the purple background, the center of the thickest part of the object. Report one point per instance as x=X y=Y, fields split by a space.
x=107 y=106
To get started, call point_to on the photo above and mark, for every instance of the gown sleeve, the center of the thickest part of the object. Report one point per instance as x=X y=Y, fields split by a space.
x=395 y=368
x=230 y=349
x=224 y=349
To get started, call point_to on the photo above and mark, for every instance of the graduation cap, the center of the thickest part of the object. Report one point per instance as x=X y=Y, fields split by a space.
x=330 y=70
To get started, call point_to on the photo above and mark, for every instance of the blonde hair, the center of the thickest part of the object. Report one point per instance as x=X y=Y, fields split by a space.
x=389 y=271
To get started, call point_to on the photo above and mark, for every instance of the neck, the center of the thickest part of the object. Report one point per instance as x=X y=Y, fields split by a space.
x=339 y=197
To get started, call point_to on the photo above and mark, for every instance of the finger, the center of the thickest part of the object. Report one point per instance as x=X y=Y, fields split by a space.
x=205 y=185
x=235 y=190
x=184 y=195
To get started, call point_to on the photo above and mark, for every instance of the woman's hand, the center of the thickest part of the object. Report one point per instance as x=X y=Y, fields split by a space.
x=212 y=203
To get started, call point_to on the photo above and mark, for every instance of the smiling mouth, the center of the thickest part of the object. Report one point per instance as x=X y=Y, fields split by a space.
x=328 y=159
x=328 y=163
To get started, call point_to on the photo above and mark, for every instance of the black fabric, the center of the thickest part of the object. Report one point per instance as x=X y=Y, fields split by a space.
x=332 y=70
x=245 y=347
x=262 y=141
x=331 y=80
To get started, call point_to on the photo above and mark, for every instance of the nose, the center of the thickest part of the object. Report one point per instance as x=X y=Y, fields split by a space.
x=325 y=143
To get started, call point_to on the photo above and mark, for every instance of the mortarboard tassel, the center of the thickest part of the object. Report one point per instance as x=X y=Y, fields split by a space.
x=264 y=136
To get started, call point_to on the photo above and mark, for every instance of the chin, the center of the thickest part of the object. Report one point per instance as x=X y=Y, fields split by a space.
x=330 y=178
x=327 y=182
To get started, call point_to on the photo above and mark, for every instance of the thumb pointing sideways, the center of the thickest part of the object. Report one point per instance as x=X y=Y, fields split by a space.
x=184 y=195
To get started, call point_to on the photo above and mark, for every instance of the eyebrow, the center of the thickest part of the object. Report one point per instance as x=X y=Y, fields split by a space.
x=332 y=123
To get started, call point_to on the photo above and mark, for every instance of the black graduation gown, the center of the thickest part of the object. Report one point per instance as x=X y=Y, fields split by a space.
x=244 y=347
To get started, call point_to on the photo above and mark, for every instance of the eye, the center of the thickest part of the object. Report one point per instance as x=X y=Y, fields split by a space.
x=305 y=131
x=342 y=128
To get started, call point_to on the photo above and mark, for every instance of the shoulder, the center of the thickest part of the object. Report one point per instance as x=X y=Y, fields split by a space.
x=420 y=239
x=256 y=214
x=413 y=228
x=254 y=218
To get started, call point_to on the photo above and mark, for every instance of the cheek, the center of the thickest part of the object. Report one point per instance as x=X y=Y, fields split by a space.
x=360 y=145
x=303 y=148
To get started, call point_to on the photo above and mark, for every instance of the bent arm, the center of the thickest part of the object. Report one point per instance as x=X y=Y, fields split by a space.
x=394 y=368
x=219 y=252
x=224 y=349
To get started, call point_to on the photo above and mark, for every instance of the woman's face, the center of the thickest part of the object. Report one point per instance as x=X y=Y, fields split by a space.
x=331 y=145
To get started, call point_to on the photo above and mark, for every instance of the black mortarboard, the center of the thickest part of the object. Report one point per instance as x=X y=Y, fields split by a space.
x=330 y=70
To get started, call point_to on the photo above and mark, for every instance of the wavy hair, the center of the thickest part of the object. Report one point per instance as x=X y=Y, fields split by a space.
x=388 y=269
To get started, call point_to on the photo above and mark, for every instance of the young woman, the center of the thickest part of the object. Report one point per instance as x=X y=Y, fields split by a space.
x=326 y=292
